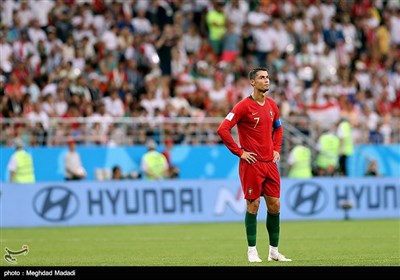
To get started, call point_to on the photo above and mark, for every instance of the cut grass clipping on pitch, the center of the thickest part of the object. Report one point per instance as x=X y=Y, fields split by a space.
x=315 y=243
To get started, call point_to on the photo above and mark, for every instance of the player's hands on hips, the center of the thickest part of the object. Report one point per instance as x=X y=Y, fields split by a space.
x=250 y=157
x=277 y=157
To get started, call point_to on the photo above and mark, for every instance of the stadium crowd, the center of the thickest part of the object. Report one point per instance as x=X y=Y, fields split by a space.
x=79 y=68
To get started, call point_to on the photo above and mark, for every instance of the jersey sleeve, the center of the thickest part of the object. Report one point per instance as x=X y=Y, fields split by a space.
x=277 y=134
x=224 y=130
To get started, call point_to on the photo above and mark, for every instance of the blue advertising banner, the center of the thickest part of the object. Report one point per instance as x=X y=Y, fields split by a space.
x=211 y=162
x=189 y=201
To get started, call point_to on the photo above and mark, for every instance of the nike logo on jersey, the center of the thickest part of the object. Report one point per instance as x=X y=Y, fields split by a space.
x=254 y=113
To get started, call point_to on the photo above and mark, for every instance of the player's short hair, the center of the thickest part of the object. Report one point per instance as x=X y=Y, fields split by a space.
x=253 y=72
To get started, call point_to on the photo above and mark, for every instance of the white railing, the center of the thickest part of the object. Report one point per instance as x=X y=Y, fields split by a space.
x=115 y=131
x=131 y=131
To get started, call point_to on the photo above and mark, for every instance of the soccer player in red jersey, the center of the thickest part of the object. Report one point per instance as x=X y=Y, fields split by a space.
x=260 y=137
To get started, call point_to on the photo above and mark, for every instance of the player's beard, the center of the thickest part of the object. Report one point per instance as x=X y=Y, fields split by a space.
x=264 y=92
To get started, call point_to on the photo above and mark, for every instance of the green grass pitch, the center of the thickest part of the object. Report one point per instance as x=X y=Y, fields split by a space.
x=308 y=243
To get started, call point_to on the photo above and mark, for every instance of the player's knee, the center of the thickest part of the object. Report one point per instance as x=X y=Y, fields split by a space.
x=253 y=205
x=274 y=208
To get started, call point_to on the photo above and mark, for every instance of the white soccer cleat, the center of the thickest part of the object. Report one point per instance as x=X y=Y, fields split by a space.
x=252 y=255
x=278 y=258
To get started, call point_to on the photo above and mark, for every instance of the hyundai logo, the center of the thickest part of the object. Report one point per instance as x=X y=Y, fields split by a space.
x=307 y=198
x=56 y=204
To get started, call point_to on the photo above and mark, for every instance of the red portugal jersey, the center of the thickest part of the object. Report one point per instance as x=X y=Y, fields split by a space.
x=259 y=128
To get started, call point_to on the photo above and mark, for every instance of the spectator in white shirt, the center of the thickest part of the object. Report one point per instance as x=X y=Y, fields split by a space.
x=74 y=169
x=37 y=115
x=31 y=88
x=41 y=10
x=23 y=47
x=68 y=49
x=140 y=23
x=110 y=38
x=281 y=35
x=61 y=104
x=266 y=41
x=101 y=116
x=49 y=107
x=114 y=104
x=24 y=13
x=35 y=33
x=6 y=52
